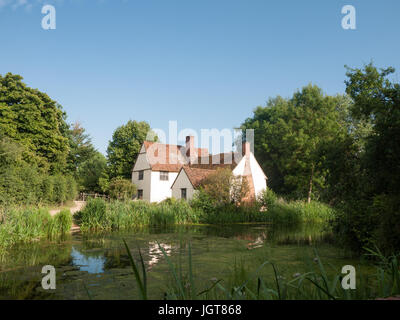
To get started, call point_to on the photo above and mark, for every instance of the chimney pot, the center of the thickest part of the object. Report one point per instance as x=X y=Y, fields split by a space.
x=190 y=149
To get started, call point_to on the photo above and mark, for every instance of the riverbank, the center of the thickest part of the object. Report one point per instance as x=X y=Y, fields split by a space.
x=19 y=225
x=101 y=215
x=31 y=224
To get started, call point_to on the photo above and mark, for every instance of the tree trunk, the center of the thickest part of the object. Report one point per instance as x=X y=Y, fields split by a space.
x=311 y=184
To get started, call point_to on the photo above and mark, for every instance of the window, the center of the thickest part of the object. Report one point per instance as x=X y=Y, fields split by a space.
x=141 y=174
x=183 y=193
x=140 y=194
x=164 y=175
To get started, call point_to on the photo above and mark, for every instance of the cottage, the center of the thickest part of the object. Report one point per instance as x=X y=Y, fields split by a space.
x=162 y=170
x=191 y=176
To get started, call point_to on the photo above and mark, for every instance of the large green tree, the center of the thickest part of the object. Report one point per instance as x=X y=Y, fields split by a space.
x=81 y=147
x=371 y=213
x=291 y=136
x=124 y=147
x=29 y=117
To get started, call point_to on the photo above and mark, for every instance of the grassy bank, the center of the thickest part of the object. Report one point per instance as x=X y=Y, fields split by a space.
x=101 y=215
x=28 y=224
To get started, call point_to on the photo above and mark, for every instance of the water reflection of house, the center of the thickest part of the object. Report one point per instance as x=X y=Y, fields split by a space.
x=255 y=241
x=155 y=253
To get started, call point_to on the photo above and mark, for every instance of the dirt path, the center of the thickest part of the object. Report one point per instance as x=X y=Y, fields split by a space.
x=78 y=205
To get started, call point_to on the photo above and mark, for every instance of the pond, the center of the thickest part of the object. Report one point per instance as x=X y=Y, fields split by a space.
x=96 y=266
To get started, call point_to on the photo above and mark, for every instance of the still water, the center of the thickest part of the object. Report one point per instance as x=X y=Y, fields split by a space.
x=96 y=266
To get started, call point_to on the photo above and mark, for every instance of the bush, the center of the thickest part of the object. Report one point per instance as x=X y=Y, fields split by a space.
x=388 y=229
x=121 y=189
x=267 y=199
x=59 y=189
x=364 y=223
x=71 y=188
x=223 y=188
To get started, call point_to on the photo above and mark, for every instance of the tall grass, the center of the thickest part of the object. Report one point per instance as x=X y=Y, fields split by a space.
x=99 y=215
x=295 y=212
x=316 y=284
x=30 y=224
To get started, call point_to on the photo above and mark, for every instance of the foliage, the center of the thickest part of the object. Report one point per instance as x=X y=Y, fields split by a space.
x=223 y=188
x=291 y=136
x=36 y=122
x=100 y=215
x=124 y=147
x=81 y=148
x=121 y=189
x=34 y=146
x=24 y=183
x=28 y=224
x=370 y=212
x=91 y=171
x=60 y=224
x=267 y=199
x=268 y=208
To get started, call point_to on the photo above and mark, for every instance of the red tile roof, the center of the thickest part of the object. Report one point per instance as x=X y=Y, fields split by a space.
x=196 y=175
x=168 y=157
x=221 y=160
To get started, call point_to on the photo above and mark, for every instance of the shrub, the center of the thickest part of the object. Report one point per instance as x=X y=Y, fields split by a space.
x=223 y=187
x=59 y=189
x=121 y=189
x=388 y=229
x=267 y=199
x=71 y=188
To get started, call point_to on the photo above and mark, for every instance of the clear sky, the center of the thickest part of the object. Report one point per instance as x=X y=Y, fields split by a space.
x=203 y=63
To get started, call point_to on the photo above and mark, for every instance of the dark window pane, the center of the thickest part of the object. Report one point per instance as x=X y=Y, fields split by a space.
x=183 y=194
x=164 y=175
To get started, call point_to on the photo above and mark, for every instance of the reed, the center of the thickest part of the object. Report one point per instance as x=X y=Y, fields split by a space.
x=242 y=284
x=29 y=224
x=99 y=215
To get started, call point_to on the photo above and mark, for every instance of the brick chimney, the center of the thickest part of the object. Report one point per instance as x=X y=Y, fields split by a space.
x=246 y=149
x=191 y=152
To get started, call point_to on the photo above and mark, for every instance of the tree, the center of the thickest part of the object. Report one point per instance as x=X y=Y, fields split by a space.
x=377 y=100
x=25 y=183
x=291 y=136
x=35 y=121
x=371 y=213
x=81 y=148
x=90 y=172
x=124 y=147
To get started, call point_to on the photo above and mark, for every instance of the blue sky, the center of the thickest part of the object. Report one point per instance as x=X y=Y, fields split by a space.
x=203 y=63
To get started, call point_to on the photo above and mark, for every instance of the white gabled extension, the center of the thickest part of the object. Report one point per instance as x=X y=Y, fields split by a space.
x=248 y=165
